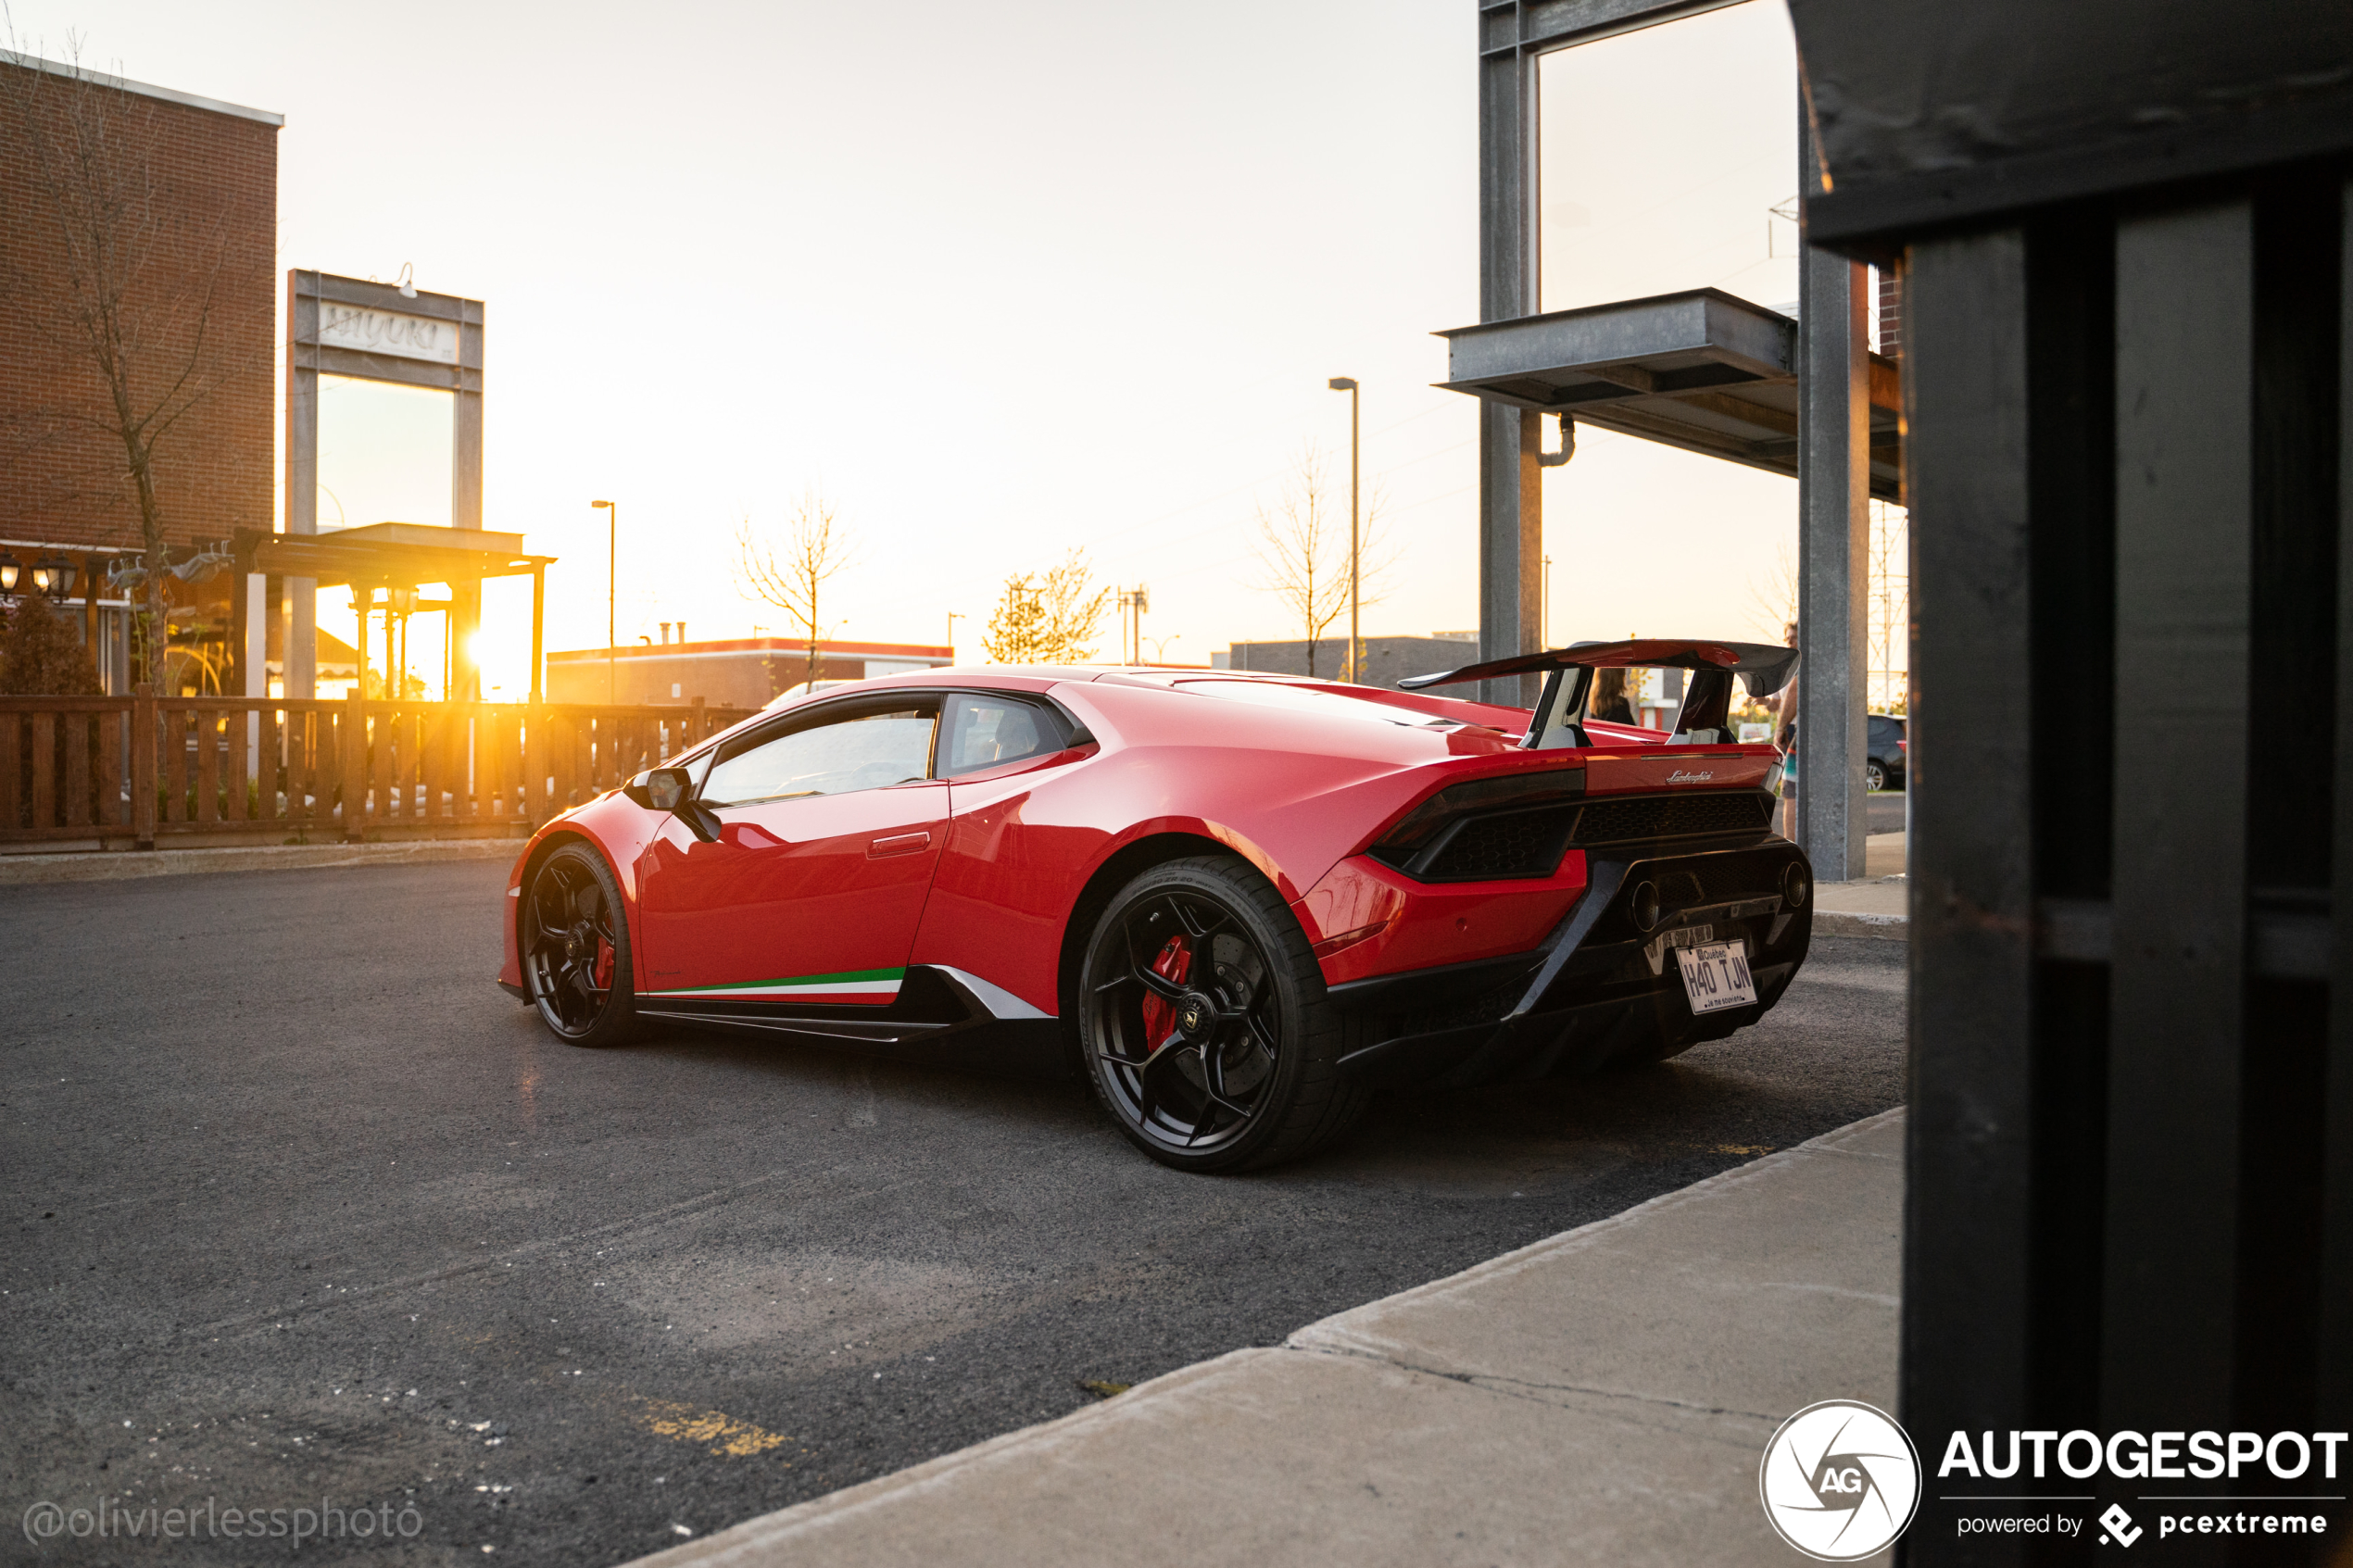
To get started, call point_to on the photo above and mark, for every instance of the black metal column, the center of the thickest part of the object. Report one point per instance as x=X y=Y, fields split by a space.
x=2176 y=976
x=2131 y=1201
x=2335 y=1327
x=1967 y=1210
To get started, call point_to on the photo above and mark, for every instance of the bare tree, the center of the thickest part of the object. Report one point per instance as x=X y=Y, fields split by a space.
x=1775 y=595
x=816 y=547
x=130 y=276
x=1050 y=618
x=1303 y=548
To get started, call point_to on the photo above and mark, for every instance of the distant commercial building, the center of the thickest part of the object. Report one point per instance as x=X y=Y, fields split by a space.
x=738 y=673
x=1387 y=660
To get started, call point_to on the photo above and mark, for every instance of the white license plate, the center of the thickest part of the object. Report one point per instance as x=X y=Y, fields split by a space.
x=1688 y=937
x=1716 y=976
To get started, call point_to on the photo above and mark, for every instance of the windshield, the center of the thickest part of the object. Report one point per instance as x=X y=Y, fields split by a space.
x=1315 y=699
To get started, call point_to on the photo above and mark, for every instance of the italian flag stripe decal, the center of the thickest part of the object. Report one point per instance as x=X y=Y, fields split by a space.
x=874 y=987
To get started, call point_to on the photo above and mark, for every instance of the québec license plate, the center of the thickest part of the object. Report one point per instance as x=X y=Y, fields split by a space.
x=1716 y=976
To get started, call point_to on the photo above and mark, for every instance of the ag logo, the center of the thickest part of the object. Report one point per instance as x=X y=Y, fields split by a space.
x=1839 y=1480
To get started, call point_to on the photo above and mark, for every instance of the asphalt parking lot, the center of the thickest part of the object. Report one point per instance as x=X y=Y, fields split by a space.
x=1885 y=811
x=303 y=1211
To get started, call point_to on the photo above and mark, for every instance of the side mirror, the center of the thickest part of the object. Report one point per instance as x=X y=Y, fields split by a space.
x=659 y=789
x=672 y=789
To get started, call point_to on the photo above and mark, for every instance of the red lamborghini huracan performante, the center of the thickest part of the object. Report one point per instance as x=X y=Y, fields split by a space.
x=1240 y=903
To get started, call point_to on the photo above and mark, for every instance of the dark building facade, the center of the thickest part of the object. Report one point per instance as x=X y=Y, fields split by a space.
x=1387 y=660
x=737 y=672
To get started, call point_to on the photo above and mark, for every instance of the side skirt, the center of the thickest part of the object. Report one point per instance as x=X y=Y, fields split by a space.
x=941 y=1016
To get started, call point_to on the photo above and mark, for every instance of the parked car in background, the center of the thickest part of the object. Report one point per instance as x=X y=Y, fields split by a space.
x=1883 y=752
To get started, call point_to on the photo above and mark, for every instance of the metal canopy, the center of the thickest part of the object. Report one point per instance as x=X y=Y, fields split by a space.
x=1702 y=371
x=387 y=553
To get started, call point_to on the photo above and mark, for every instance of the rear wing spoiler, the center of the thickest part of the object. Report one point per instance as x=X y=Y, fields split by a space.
x=1763 y=668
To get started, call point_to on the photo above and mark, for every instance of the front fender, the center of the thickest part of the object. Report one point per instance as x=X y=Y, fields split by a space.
x=618 y=828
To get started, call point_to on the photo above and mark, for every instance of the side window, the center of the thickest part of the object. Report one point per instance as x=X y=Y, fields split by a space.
x=867 y=750
x=984 y=730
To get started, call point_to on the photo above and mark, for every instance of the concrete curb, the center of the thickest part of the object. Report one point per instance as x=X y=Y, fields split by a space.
x=22 y=870
x=1600 y=1396
x=1838 y=923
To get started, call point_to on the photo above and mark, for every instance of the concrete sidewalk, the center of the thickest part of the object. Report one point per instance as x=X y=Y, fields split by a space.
x=1602 y=1397
x=1877 y=904
x=116 y=865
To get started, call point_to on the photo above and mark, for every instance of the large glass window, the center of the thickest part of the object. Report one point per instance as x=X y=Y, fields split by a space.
x=869 y=751
x=1668 y=160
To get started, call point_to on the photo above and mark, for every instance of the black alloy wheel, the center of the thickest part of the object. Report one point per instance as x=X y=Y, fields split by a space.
x=575 y=948
x=1202 y=1016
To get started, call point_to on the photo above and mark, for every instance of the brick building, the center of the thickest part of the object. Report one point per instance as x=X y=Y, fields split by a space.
x=184 y=191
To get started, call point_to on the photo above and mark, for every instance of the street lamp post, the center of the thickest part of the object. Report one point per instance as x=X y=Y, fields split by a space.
x=612 y=552
x=1348 y=385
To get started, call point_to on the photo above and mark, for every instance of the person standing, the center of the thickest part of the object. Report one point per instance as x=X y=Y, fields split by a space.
x=1783 y=704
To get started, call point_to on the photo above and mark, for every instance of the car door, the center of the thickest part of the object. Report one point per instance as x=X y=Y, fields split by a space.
x=1005 y=881
x=829 y=826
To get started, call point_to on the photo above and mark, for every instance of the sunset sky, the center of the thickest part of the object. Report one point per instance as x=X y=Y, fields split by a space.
x=998 y=281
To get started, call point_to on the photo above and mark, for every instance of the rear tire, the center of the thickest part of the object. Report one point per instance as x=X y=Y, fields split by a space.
x=1203 y=1023
x=575 y=940
x=1875 y=774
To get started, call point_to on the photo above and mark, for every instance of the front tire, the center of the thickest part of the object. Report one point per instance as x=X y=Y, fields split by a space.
x=1206 y=1033
x=575 y=940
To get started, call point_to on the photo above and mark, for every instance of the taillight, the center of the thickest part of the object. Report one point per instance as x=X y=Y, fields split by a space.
x=1426 y=821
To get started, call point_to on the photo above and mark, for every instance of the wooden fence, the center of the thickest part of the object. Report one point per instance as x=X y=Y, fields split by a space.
x=136 y=770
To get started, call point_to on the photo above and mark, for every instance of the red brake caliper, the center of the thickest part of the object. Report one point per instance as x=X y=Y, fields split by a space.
x=1174 y=962
x=604 y=964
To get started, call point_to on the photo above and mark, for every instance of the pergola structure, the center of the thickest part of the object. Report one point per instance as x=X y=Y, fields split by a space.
x=366 y=330
x=386 y=555
x=1703 y=372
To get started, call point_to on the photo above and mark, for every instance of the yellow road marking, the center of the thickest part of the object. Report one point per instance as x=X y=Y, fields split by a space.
x=720 y=1433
